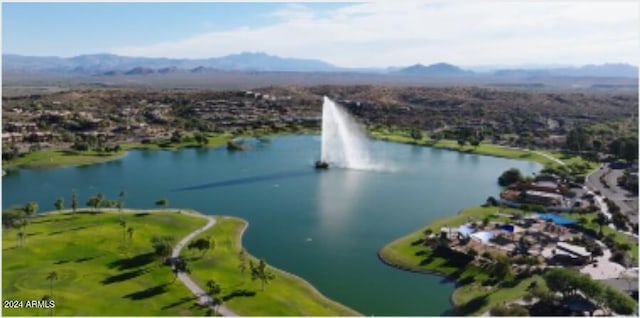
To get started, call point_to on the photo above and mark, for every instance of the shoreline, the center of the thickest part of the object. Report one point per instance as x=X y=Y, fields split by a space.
x=525 y=154
x=98 y=158
x=522 y=153
x=291 y=275
x=449 y=279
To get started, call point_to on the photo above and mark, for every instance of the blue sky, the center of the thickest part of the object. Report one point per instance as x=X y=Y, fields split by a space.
x=69 y=29
x=357 y=35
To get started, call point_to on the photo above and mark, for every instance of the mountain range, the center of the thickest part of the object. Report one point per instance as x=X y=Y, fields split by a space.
x=110 y=64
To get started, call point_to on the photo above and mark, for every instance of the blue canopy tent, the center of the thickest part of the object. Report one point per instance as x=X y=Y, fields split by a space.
x=556 y=219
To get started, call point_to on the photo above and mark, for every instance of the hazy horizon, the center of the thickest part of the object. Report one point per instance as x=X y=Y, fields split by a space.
x=476 y=68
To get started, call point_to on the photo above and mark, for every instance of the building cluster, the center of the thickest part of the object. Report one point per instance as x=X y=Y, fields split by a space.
x=146 y=119
x=547 y=238
x=255 y=111
x=550 y=192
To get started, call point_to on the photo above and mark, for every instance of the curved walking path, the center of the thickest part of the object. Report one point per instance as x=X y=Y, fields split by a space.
x=203 y=297
x=550 y=157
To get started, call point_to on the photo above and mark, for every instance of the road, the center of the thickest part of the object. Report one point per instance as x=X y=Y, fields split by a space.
x=203 y=298
x=628 y=204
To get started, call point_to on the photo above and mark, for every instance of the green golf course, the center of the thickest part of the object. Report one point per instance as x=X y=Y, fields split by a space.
x=90 y=263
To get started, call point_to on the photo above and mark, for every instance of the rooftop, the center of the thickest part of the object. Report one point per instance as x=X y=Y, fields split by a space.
x=573 y=249
x=544 y=194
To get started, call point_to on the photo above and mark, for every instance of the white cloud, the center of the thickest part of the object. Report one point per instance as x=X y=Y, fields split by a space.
x=402 y=33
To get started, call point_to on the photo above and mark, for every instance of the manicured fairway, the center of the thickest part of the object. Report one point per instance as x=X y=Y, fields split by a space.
x=60 y=158
x=99 y=272
x=286 y=295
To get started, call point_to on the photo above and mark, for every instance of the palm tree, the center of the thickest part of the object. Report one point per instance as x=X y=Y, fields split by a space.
x=123 y=224
x=261 y=273
x=214 y=290
x=51 y=277
x=21 y=236
x=99 y=199
x=130 y=232
x=74 y=200
x=601 y=220
x=242 y=257
x=122 y=196
x=180 y=266
x=31 y=208
x=59 y=204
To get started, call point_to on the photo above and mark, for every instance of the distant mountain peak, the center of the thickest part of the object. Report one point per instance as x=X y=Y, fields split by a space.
x=437 y=69
x=105 y=63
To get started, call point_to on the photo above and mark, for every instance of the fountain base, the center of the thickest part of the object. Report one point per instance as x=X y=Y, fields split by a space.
x=322 y=164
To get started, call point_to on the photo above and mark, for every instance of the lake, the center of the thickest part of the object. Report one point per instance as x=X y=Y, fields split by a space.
x=325 y=226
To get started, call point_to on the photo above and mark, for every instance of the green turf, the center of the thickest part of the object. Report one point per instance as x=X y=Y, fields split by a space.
x=286 y=295
x=482 y=149
x=60 y=158
x=98 y=273
x=213 y=140
x=483 y=299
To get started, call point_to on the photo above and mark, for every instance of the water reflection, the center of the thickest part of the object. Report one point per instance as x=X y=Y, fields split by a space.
x=338 y=192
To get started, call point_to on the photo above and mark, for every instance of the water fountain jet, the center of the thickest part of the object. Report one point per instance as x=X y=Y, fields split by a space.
x=343 y=142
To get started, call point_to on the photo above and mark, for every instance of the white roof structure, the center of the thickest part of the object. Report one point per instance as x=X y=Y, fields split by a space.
x=573 y=249
x=544 y=194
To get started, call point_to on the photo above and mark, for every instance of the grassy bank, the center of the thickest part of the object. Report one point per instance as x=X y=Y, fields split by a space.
x=60 y=158
x=99 y=271
x=546 y=158
x=470 y=297
x=64 y=158
x=213 y=140
x=286 y=295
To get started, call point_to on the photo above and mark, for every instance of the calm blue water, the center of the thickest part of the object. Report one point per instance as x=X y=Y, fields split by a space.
x=325 y=226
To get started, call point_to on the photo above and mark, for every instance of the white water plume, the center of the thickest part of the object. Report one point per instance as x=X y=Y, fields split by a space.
x=344 y=144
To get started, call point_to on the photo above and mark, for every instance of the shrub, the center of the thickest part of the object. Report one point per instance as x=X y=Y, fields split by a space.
x=417 y=242
x=509 y=177
x=492 y=201
x=513 y=310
